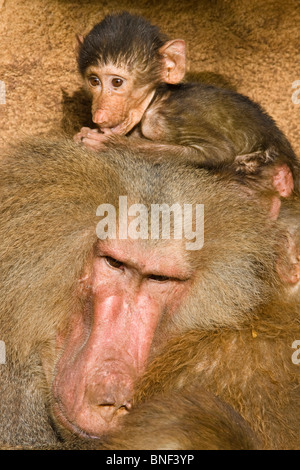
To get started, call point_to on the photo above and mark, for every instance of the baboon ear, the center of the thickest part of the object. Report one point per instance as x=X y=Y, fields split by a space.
x=279 y=177
x=288 y=267
x=283 y=181
x=173 y=60
x=267 y=175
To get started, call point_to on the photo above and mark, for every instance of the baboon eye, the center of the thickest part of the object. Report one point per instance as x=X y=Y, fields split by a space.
x=114 y=263
x=117 y=82
x=93 y=81
x=157 y=278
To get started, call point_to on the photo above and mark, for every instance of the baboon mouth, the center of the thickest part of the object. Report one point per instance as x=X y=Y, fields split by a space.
x=120 y=129
x=123 y=128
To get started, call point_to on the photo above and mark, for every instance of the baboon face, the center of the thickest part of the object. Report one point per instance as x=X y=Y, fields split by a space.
x=117 y=104
x=122 y=60
x=129 y=288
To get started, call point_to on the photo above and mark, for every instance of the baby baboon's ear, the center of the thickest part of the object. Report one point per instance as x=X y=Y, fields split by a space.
x=173 y=61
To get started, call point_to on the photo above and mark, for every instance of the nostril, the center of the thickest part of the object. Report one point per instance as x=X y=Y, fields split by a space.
x=111 y=395
x=107 y=412
x=110 y=412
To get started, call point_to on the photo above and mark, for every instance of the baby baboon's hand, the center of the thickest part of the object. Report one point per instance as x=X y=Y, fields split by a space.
x=91 y=138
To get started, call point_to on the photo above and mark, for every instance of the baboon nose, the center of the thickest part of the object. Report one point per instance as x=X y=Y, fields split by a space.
x=100 y=117
x=111 y=393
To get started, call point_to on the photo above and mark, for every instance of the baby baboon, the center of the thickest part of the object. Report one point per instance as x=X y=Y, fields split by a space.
x=134 y=74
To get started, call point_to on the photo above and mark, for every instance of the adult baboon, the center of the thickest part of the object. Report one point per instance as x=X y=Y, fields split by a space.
x=86 y=300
